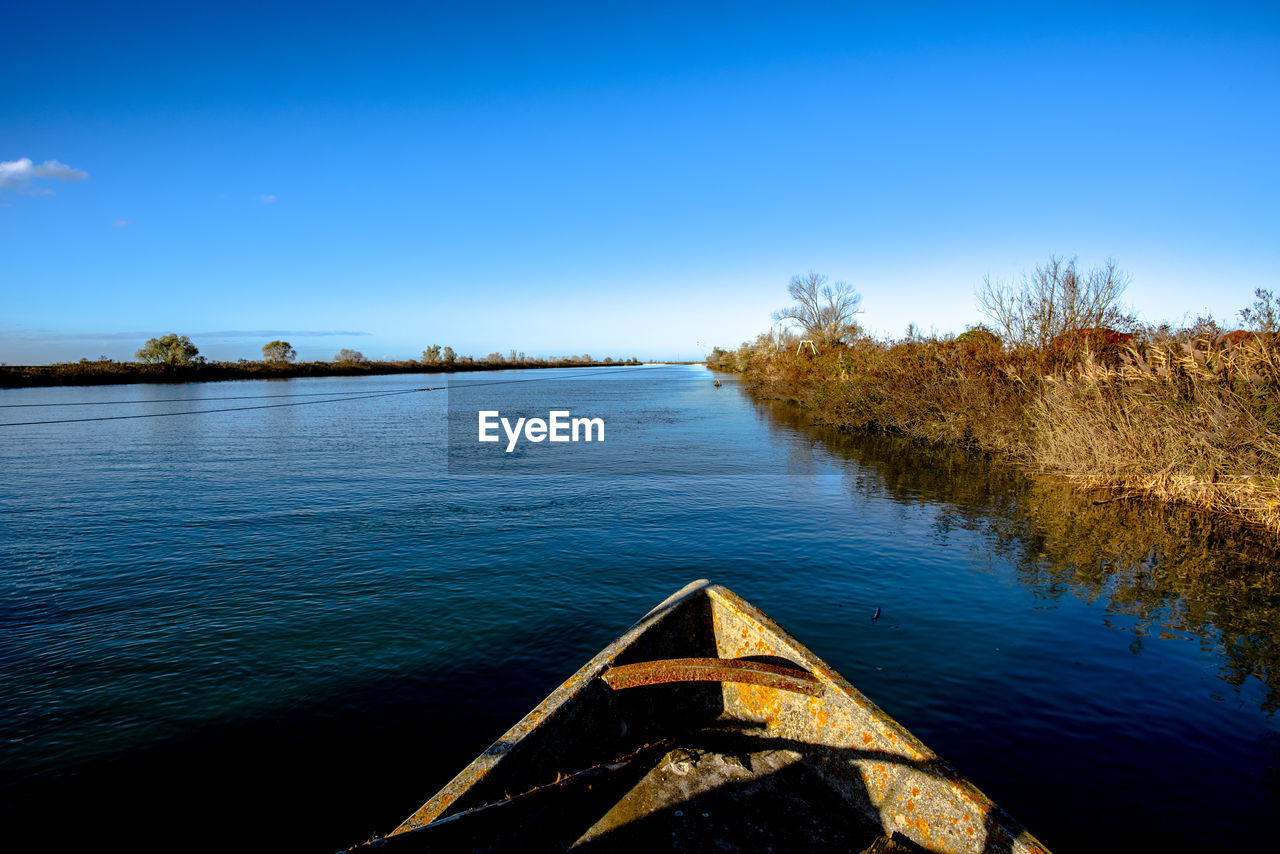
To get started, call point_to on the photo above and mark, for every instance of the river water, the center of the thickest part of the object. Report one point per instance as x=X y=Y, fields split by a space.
x=286 y=627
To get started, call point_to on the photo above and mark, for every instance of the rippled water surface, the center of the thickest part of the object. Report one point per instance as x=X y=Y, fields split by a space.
x=289 y=626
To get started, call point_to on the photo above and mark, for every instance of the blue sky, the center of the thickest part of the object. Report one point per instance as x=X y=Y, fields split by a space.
x=613 y=179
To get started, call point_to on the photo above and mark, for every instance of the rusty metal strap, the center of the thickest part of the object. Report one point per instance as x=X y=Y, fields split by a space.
x=711 y=670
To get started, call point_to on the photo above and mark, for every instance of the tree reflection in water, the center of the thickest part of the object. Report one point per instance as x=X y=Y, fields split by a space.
x=1170 y=569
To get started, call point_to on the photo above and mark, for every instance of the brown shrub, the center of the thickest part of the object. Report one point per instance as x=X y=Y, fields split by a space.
x=935 y=390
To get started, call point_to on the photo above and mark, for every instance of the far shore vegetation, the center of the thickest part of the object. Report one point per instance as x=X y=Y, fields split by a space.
x=174 y=358
x=1061 y=379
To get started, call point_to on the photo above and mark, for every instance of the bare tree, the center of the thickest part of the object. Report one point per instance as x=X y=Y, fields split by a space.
x=347 y=356
x=1053 y=301
x=825 y=312
x=1264 y=314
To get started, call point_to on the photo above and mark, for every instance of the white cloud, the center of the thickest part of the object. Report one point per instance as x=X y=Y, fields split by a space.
x=122 y=223
x=266 y=199
x=18 y=174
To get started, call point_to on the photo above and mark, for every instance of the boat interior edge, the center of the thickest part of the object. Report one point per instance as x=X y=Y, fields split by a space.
x=702 y=765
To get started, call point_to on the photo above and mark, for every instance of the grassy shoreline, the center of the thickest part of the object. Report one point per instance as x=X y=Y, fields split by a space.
x=119 y=373
x=1191 y=420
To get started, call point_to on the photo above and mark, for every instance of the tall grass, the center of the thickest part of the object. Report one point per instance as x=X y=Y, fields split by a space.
x=1189 y=420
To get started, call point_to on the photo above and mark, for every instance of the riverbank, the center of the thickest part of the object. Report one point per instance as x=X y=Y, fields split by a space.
x=108 y=372
x=1183 y=419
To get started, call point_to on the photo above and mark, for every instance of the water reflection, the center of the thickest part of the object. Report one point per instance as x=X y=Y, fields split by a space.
x=1172 y=572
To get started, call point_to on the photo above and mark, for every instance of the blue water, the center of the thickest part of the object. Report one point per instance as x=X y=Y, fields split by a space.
x=299 y=621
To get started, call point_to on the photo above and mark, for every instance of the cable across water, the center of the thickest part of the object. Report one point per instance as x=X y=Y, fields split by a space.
x=331 y=397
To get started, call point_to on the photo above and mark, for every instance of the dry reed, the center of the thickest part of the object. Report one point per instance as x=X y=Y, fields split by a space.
x=1190 y=421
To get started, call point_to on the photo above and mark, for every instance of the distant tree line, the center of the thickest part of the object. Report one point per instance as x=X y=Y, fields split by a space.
x=437 y=355
x=174 y=349
x=175 y=358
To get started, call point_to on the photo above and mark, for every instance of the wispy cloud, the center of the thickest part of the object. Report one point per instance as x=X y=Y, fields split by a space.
x=266 y=199
x=122 y=223
x=143 y=334
x=292 y=333
x=46 y=335
x=17 y=175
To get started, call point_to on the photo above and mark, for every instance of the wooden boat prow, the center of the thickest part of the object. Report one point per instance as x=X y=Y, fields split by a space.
x=707 y=727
